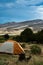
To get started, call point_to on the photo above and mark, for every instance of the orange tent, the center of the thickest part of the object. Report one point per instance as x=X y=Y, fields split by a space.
x=12 y=47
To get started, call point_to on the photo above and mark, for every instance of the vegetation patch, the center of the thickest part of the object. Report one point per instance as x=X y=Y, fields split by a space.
x=35 y=49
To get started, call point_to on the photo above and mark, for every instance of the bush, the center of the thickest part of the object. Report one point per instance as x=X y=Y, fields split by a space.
x=39 y=63
x=3 y=63
x=35 y=49
x=2 y=39
x=6 y=36
x=27 y=35
x=17 y=38
x=23 y=45
x=22 y=57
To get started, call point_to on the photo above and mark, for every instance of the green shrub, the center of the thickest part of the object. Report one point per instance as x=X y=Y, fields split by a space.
x=17 y=38
x=38 y=63
x=2 y=40
x=35 y=49
x=3 y=63
x=23 y=45
x=6 y=36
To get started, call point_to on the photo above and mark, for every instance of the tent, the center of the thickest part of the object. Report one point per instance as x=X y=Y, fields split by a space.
x=11 y=47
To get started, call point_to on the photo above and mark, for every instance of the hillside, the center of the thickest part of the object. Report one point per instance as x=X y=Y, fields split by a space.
x=16 y=28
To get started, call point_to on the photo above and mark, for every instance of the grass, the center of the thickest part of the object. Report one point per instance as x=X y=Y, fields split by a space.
x=3 y=63
x=13 y=59
x=38 y=63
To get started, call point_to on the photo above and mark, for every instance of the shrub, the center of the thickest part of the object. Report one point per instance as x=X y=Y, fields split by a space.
x=2 y=40
x=21 y=57
x=23 y=45
x=6 y=36
x=35 y=49
x=3 y=63
x=27 y=35
x=39 y=63
x=17 y=38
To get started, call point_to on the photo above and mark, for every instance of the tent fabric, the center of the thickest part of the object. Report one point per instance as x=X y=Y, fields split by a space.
x=12 y=47
x=18 y=49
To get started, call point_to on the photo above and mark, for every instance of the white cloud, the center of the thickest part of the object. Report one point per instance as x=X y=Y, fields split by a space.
x=35 y=1
x=28 y=2
x=9 y=5
x=20 y=3
x=39 y=11
x=25 y=12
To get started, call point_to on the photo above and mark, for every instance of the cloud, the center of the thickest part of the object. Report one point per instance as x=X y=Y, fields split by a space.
x=30 y=2
x=22 y=3
x=21 y=10
x=39 y=4
x=40 y=9
x=39 y=12
x=8 y=5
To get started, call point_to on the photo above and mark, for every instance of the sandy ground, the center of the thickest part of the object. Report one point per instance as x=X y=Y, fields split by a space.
x=15 y=32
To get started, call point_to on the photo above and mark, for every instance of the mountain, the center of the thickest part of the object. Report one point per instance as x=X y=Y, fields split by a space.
x=11 y=27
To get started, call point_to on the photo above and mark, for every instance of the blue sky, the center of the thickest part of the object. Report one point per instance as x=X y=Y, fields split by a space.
x=20 y=10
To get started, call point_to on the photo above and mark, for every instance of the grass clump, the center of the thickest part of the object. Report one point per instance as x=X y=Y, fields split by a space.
x=35 y=49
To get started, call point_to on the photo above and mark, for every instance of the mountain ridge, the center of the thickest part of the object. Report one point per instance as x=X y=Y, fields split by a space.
x=35 y=25
x=13 y=23
x=23 y=21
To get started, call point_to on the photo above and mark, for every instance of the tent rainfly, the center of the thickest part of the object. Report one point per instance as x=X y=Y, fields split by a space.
x=11 y=47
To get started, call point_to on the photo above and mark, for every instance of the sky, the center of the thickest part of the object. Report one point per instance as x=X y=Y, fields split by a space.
x=20 y=10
